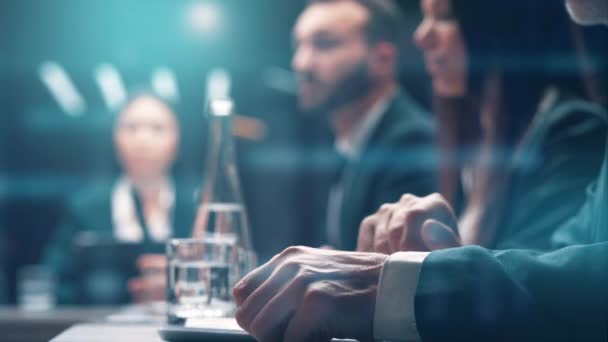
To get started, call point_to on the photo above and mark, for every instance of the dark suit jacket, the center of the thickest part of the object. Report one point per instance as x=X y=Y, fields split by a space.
x=399 y=158
x=558 y=160
x=91 y=211
x=474 y=294
x=591 y=223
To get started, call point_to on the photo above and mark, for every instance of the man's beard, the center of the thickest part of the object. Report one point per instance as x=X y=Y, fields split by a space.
x=589 y=12
x=355 y=85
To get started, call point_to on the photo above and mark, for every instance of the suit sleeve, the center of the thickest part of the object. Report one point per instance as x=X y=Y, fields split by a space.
x=475 y=294
x=576 y=230
x=571 y=160
x=587 y=226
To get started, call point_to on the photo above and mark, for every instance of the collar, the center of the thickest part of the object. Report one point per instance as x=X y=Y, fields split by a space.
x=124 y=186
x=124 y=213
x=353 y=144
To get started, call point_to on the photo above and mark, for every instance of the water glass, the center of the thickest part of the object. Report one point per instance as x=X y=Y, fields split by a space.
x=201 y=275
x=36 y=288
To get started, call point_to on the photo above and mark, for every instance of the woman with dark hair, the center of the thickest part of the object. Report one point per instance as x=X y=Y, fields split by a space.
x=143 y=206
x=519 y=143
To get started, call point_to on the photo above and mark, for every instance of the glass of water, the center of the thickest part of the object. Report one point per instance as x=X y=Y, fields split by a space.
x=201 y=275
x=36 y=287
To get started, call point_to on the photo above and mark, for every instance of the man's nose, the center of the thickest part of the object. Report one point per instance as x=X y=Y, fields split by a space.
x=302 y=59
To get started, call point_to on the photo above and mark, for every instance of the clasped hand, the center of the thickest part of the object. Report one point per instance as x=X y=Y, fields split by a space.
x=411 y=224
x=307 y=294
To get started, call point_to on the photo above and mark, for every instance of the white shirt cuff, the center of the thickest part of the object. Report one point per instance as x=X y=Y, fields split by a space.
x=394 y=317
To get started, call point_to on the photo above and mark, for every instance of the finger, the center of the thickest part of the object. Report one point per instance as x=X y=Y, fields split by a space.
x=437 y=235
x=255 y=278
x=135 y=286
x=365 y=242
x=300 y=327
x=252 y=281
x=408 y=236
x=397 y=230
x=157 y=283
x=310 y=319
x=407 y=199
x=381 y=236
x=251 y=307
x=432 y=207
x=441 y=209
x=272 y=320
x=152 y=261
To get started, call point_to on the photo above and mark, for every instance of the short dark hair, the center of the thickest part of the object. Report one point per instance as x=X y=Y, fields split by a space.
x=385 y=20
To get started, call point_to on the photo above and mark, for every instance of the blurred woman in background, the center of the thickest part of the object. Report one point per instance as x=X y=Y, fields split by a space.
x=143 y=206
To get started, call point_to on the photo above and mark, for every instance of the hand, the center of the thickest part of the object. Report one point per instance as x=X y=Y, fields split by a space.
x=151 y=285
x=307 y=294
x=412 y=224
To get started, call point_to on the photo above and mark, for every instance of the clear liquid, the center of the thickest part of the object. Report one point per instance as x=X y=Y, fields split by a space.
x=199 y=289
x=226 y=218
x=201 y=285
x=229 y=221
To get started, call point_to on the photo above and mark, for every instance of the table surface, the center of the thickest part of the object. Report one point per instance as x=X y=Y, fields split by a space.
x=129 y=324
x=14 y=315
x=18 y=325
x=105 y=332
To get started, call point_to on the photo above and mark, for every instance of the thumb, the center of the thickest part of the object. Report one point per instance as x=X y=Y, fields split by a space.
x=437 y=235
x=365 y=242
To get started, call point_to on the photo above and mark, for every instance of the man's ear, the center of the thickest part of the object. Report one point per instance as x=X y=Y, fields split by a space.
x=383 y=61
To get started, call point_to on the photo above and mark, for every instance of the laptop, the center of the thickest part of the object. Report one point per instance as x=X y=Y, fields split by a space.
x=104 y=267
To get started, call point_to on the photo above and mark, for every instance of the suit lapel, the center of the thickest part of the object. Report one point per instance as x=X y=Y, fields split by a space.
x=359 y=176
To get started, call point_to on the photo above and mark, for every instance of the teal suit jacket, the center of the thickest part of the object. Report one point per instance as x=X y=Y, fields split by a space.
x=474 y=294
x=554 y=165
x=399 y=158
x=90 y=211
x=591 y=224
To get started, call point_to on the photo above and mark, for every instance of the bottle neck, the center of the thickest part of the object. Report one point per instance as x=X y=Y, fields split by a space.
x=222 y=209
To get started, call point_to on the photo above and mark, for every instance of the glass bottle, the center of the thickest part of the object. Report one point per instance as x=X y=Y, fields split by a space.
x=222 y=211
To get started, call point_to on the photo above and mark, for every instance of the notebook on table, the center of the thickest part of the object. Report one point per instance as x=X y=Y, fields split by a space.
x=208 y=329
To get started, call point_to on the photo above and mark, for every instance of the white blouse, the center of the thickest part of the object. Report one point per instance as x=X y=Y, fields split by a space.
x=124 y=215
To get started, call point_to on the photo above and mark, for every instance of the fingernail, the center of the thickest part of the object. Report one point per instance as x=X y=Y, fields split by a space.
x=238 y=287
x=436 y=233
